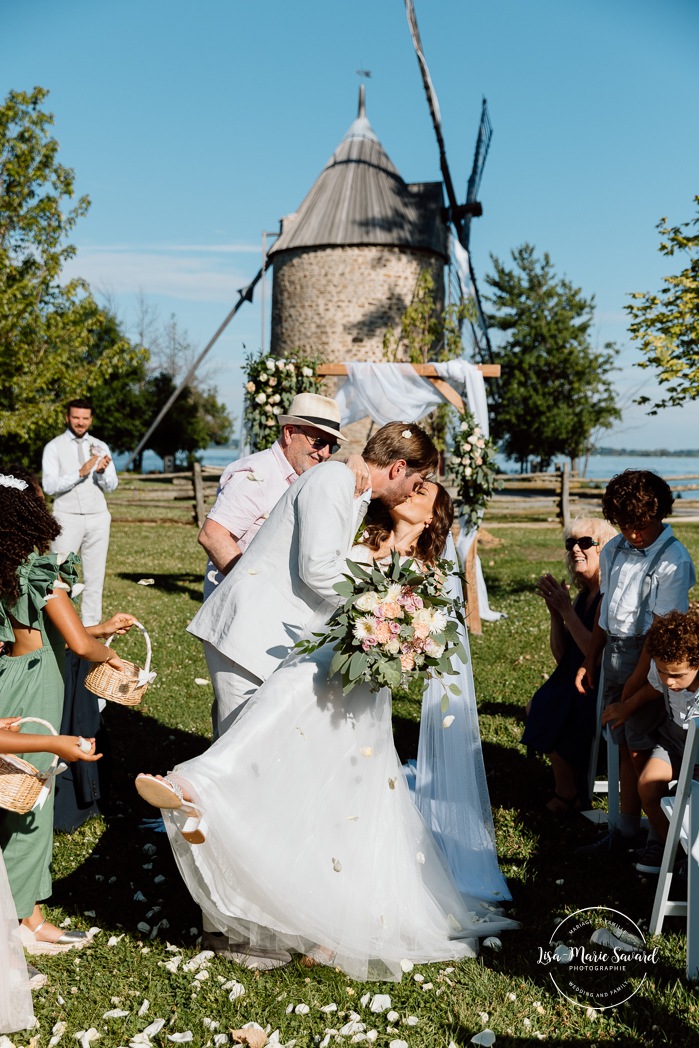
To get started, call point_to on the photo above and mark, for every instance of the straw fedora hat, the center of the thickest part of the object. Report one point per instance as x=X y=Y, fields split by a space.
x=310 y=409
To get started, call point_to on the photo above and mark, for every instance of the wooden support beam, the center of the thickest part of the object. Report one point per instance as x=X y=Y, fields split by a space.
x=428 y=370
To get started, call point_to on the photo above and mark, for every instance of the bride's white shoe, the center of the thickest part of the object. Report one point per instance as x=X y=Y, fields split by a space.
x=167 y=794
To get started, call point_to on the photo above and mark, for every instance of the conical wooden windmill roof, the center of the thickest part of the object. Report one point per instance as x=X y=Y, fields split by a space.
x=360 y=198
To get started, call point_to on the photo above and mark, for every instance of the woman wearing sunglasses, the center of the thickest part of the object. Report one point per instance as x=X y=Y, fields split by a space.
x=561 y=721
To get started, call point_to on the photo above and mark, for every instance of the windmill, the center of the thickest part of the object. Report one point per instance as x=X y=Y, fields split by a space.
x=459 y=216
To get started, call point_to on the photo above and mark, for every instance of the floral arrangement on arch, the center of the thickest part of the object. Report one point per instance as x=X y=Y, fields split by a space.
x=472 y=467
x=395 y=623
x=271 y=384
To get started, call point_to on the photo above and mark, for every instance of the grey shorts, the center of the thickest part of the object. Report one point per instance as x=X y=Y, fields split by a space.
x=669 y=746
x=621 y=656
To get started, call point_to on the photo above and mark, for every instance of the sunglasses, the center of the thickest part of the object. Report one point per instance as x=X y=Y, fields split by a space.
x=317 y=443
x=584 y=542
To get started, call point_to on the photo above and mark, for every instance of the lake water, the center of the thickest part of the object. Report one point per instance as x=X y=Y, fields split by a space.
x=600 y=467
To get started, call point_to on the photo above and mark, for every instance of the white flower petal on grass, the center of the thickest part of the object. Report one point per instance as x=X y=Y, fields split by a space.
x=365 y=1000
x=198 y=961
x=146 y=582
x=116 y=1013
x=301 y=1009
x=590 y=1013
x=512 y=996
x=144 y=1007
x=427 y=986
x=406 y=965
x=484 y=1038
x=172 y=965
x=237 y=990
x=201 y=976
x=58 y=1030
x=448 y=721
x=380 y=1002
x=181 y=1038
x=397 y=1044
x=327 y=1008
x=493 y=942
x=201 y=680
x=211 y=1024
x=220 y=1039
x=411 y=1020
x=393 y=1017
x=526 y=1021
x=114 y=939
x=538 y=1007
x=483 y=1017
x=87 y=1036
x=350 y=1028
x=155 y=1027
x=419 y=978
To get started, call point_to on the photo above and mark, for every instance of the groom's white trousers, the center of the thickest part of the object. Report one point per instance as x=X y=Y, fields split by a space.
x=233 y=686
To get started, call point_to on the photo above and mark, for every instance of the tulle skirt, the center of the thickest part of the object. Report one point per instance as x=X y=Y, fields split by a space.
x=313 y=842
x=16 y=1012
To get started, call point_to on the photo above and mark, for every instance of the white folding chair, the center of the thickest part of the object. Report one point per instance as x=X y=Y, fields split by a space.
x=683 y=811
x=610 y=785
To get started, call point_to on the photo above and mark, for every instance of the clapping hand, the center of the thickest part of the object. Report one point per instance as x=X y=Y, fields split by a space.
x=556 y=594
x=102 y=463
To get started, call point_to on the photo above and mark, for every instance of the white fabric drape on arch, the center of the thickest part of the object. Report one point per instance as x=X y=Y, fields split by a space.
x=386 y=392
x=451 y=790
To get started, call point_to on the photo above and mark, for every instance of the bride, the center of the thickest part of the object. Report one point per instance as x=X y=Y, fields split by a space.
x=308 y=838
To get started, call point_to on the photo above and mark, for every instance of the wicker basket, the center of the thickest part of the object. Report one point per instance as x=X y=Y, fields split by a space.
x=118 y=686
x=20 y=782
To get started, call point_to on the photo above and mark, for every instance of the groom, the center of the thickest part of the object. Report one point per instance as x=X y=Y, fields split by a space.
x=252 y=620
x=287 y=575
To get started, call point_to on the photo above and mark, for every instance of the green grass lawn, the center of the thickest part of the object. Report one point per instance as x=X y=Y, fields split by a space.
x=123 y=878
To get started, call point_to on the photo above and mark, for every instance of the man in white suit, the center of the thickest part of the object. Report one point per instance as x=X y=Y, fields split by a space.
x=255 y=616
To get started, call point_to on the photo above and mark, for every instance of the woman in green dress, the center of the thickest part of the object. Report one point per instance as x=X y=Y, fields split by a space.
x=37 y=621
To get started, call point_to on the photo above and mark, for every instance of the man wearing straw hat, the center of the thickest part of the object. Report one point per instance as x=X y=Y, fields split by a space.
x=251 y=486
x=249 y=490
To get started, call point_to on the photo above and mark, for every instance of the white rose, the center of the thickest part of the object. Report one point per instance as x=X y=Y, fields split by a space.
x=433 y=649
x=464 y=427
x=308 y=372
x=260 y=398
x=467 y=472
x=275 y=399
x=467 y=445
x=270 y=364
x=290 y=367
x=367 y=601
x=393 y=646
x=250 y=386
x=271 y=381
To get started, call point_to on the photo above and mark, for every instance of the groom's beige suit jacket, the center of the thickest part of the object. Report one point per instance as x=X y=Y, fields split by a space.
x=287 y=574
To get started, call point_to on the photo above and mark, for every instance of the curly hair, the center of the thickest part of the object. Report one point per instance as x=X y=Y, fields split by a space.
x=430 y=544
x=675 y=638
x=636 y=497
x=25 y=525
x=597 y=529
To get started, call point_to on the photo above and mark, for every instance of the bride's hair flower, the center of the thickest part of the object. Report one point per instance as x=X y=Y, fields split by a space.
x=407 y=434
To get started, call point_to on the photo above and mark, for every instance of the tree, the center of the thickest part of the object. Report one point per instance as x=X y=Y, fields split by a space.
x=195 y=421
x=666 y=325
x=554 y=391
x=47 y=328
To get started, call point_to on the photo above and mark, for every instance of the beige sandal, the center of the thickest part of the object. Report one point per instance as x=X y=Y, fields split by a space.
x=72 y=940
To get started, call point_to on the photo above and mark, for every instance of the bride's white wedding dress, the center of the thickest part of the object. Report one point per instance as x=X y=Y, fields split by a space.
x=313 y=842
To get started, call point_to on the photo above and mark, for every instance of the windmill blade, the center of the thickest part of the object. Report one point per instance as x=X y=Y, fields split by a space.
x=432 y=101
x=485 y=133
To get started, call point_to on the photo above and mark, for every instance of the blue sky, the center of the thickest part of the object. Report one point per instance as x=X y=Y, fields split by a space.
x=193 y=128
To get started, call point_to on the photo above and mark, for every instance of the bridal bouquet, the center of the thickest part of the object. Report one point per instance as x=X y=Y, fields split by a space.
x=395 y=622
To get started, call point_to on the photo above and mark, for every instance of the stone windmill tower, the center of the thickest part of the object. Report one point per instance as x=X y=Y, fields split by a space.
x=346 y=264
